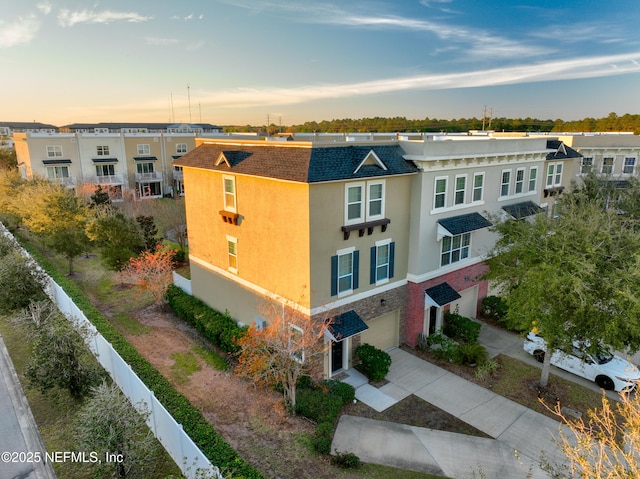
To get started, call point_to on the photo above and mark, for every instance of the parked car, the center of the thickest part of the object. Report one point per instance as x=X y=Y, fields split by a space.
x=607 y=370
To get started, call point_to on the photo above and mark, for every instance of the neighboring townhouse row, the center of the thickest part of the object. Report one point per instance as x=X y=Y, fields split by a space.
x=121 y=158
x=382 y=236
x=612 y=155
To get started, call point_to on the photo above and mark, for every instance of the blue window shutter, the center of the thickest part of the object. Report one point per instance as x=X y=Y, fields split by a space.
x=356 y=261
x=372 y=267
x=392 y=253
x=334 y=275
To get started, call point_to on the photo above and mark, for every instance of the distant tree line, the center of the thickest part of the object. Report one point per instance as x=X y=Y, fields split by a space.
x=612 y=122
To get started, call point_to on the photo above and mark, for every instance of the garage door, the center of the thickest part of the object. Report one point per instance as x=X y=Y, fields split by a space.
x=383 y=331
x=467 y=304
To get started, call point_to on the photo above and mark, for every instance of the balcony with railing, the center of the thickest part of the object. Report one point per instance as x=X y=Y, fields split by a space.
x=107 y=180
x=68 y=181
x=147 y=177
x=178 y=175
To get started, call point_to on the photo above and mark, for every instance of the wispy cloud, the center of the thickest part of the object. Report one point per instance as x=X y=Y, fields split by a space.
x=581 y=68
x=69 y=18
x=19 y=31
x=44 y=7
x=160 y=41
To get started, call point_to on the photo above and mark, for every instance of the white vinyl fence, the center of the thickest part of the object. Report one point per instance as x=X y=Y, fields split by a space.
x=178 y=444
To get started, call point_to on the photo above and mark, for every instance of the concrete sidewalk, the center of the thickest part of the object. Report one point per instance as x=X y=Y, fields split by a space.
x=514 y=427
x=18 y=430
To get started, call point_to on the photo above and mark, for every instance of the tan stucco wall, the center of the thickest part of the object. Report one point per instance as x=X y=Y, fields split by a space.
x=327 y=202
x=272 y=236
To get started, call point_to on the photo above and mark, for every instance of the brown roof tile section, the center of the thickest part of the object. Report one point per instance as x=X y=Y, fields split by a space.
x=272 y=162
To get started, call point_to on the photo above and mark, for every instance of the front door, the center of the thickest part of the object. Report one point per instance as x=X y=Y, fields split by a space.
x=337 y=350
x=433 y=320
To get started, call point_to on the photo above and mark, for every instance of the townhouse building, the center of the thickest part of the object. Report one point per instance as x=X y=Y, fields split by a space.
x=381 y=235
x=465 y=184
x=322 y=229
x=613 y=155
x=123 y=158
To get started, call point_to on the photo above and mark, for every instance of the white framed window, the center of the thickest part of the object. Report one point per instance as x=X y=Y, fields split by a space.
x=629 y=166
x=144 y=167
x=181 y=148
x=505 y=182
x=586 y=165
x=375 y=200
x=478 y=186
x=144 y=150
x=229 y=191
x=607 y=165
x=55 y=172
x=344 y=271
x=533 y=178
x=440 y=192
x=519 y=183
x=554 y=174
x=232 y=254
x=455 y=248
x=105 y=170
x=54 y=151
x=382 y=259
x=102 y=150
x=460 y=189
x=354 y=207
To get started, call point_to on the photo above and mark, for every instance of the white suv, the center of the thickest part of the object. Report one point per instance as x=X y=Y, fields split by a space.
x=607 y=370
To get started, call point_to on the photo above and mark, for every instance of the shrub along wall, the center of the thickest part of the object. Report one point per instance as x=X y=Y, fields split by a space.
x=217 y=450
x=218 y=328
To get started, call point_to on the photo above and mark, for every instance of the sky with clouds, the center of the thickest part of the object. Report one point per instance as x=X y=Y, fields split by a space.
x=243 y=61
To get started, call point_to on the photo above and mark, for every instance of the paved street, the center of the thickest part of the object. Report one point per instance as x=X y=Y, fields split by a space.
x=18 y=431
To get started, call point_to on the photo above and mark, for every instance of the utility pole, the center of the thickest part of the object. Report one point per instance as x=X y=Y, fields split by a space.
x=484 y=115
x=189 y=97
x=490 y=117
x=268 y=119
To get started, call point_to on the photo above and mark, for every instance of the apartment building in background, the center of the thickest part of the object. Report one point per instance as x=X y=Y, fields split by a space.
x=123 y=158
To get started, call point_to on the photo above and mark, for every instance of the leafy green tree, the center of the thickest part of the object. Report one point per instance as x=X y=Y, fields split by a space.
x=61 y=359
x=21 y=282
x=571 y=278
x=100 y=198
x=119 y=237
x=109 y=424
x=149 y=232
x=56 y=215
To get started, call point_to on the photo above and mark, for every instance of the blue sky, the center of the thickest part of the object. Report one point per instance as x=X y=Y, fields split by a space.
x=239 y=61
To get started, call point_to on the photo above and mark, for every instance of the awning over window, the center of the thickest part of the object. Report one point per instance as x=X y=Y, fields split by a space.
x=346 y=325
x=145 y=158
x=522 y=210
x=104 y=160
x=457 y=225
x=56 y=162
x=440 y=295
x=175 y=157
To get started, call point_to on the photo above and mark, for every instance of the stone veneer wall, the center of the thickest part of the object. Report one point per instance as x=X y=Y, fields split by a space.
x=372 y=307
x=459 y=280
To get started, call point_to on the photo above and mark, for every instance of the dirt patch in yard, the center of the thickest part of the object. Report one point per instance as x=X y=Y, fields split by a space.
x=253 y=420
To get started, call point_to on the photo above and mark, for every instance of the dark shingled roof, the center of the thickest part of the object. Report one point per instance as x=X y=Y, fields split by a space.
x=346 y=325
x=562 y=151
x=302 y=163
x=522 y=210
x=442 y=294
x=456 y=225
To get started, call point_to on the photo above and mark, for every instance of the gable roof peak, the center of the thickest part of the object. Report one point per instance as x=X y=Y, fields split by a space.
x=371 y=159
